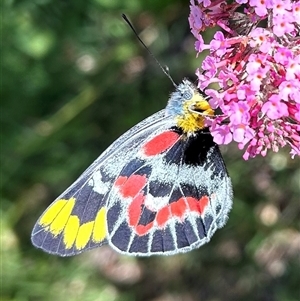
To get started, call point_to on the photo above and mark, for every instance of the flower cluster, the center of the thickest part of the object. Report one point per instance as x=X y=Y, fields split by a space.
x=255 y=61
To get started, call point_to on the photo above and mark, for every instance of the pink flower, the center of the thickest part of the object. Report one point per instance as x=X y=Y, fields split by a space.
x=260 y=7
x=222 y=135
x=255 y=61
x=274 y=108
x=282 y=24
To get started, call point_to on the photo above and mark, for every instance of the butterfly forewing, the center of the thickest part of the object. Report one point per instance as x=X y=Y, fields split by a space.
x=76 y=220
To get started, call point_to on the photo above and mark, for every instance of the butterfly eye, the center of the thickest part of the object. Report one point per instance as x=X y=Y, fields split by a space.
x=187 y=95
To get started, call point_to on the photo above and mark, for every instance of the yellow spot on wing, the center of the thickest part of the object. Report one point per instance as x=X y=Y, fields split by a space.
x=57 y=215
x=84 y=234
x=99 y=232
x=71 y=231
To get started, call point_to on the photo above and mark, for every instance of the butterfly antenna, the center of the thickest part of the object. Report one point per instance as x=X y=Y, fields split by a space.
x=164 y=70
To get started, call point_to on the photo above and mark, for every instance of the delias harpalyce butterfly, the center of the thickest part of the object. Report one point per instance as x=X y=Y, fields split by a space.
x=162 y=188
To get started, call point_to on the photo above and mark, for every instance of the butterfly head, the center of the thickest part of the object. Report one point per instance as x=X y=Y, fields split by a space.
x=188 y=107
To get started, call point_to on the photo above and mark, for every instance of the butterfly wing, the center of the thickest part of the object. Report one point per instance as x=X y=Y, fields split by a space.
x=171 y=197
x=161 y=188
x=76 y=220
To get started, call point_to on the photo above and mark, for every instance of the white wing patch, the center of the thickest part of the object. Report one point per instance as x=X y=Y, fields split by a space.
x=98 y=183
x=156 y=203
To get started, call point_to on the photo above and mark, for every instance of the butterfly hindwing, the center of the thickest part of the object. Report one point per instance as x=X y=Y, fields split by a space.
x=169 y=198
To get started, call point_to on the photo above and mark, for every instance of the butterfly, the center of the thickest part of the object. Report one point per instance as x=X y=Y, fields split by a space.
x=162 y=188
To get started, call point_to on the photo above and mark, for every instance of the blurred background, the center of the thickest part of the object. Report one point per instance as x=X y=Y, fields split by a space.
x=74 y=78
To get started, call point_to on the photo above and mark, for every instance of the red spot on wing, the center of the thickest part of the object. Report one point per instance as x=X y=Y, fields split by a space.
x=180 y=208
x=203 y=202
x=131 y=186
x=143 y=229
x=120 y=181
x=193 y=204
x=135 y=210
x=197 y=205
x=160 y=143
x=134 y=214
x=162 y=216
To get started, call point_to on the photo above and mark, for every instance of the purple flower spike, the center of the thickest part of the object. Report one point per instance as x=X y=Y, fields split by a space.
x=255 y=62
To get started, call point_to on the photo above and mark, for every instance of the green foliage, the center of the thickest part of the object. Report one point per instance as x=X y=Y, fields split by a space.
x=73 y=79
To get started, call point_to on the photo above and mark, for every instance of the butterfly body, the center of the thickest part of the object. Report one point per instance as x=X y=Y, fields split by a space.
x=162 y=188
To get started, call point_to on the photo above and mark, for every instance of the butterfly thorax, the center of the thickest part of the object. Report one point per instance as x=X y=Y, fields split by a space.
x=188 y=107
